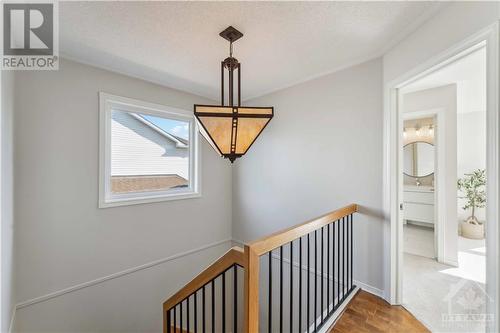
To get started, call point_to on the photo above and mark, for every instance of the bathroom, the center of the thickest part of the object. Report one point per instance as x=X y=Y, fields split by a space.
x=419 y=156
x=444 y=174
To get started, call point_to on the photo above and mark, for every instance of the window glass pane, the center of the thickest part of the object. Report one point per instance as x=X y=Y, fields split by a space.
x=148 y=153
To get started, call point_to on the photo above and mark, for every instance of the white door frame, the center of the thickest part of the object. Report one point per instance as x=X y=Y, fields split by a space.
x=393 y=160
x=1 y=198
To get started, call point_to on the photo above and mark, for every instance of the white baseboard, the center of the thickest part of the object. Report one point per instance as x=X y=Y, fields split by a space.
x=12 y=317
x=238 y=242
x=116 y=275
x=449 y=262
x=336 y=315
x=372 y=290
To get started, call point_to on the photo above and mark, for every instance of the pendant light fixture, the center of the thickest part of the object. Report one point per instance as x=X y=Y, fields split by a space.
x=231 y=129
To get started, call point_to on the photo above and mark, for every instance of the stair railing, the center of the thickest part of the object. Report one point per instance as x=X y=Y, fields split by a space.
x=338 y=253
x=202 y=291
x=324 y=250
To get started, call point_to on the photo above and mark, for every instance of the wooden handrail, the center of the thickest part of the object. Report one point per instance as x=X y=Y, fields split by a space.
x=259 y=247
x=266 y=244
x=233 y=256
x=249 y=260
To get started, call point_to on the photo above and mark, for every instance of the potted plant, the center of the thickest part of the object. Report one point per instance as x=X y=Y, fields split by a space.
x=472 y=185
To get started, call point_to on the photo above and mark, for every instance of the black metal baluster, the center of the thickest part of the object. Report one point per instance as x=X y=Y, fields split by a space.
x=235 y=298
x=352 y=253
x=315 y=277
x=344 y=274
x=338 y=262
x=328 y=269
x=343 y=258
x=187 y=312
x=270 y=305
x=333 y=267
x=180 y=318
x=195 y=312
x=213 y=306
x=203 y=319
x=300 y=284
x=291 y=286
x=322 y=275
x=348 y=258
x=175 y=319
x=281 y=288
x=224 y=302
x=308 y=278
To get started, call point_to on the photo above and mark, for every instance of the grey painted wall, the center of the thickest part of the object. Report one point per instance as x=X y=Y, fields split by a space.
x=6 y=208
x=323 y=150
x=471 y=152
x=63 y=238
x=131 y=303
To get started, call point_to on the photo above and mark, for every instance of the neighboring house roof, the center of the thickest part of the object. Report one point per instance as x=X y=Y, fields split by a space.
x=179 y=142
x=186 y=142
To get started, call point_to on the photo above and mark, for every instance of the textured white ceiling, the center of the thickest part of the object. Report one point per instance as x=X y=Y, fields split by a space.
x=177 y=43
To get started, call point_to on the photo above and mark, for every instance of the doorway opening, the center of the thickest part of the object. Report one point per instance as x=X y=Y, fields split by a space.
x=444 y=194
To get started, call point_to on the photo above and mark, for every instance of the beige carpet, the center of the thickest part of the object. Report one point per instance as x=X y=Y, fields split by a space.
x=445 y=298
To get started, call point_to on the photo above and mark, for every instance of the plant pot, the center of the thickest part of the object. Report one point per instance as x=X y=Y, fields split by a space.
x=472 y=229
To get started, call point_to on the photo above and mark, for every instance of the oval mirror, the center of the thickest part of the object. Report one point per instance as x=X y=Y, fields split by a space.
x=418 y=159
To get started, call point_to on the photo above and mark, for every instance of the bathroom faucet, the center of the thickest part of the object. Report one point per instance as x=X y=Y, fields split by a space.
x=417 y=182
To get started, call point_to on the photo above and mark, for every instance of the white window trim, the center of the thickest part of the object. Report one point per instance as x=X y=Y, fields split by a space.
x=106 y=199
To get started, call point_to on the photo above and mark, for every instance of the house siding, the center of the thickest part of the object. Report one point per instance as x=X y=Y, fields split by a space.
x=137 y=149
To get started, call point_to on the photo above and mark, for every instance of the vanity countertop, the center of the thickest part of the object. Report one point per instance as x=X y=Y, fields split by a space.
x=415 y=188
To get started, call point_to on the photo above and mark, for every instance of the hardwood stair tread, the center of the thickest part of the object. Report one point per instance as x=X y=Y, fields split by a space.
x=369 y=313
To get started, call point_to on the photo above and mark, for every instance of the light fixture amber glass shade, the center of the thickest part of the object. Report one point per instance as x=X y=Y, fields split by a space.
x=231 y=130
x=248 y=130
x=219 y=132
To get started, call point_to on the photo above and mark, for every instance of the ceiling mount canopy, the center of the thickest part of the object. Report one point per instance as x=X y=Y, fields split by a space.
x=231 y=129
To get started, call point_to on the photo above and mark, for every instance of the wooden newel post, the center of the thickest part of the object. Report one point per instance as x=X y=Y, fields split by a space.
x=251 y=324
x=166 y=321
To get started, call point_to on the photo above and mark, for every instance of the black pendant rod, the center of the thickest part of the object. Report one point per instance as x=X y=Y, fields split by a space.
x=231 y=64
x=222 y=82
x=239 y=84
x=231 y=85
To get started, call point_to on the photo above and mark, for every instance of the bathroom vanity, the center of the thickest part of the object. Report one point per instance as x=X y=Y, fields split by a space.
x=419 y=204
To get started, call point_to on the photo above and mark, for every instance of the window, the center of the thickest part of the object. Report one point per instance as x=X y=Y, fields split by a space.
x=148 y=152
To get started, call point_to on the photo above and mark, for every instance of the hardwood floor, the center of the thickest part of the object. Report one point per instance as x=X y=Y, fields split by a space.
x=370 y=314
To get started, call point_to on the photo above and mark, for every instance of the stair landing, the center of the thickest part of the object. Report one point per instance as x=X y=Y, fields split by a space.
x=367 y=313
